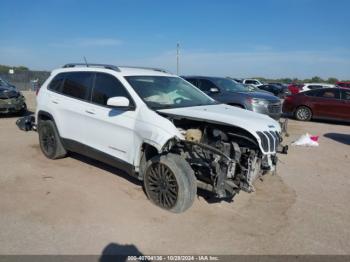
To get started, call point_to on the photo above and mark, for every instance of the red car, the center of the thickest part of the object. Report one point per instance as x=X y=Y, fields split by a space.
x=295 y=88
x=325 y=103
x=343 y=84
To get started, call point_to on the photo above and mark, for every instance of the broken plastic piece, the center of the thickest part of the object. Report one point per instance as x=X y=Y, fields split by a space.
x=306 y=140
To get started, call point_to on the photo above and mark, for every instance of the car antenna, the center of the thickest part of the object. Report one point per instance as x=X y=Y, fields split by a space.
x=87 y=65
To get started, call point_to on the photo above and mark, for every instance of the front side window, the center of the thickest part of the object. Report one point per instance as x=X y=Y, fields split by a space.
x=77 y=84
x=106 y=86
x=251 y=82
x=160 y=92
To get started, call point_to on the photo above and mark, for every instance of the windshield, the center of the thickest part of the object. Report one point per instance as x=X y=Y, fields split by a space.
x=160 y=92
x=229 y=85
x=3 y=82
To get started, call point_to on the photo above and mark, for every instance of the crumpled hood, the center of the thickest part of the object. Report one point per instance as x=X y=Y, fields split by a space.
x=228 y=115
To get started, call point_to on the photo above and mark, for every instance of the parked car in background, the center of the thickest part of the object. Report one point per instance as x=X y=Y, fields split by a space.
x=254 y=82
x=236 y=94
x=251 y=88
x=11 y=100
x=4 y=83
x=343 y=84
x=295 y=88
x=280 y=91
x=325 y=103
x=278 y=84
x=311 y=86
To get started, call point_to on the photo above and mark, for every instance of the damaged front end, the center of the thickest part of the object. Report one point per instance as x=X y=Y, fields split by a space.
x=225 y=159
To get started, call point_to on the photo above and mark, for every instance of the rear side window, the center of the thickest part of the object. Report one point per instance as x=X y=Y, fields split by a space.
x=345 y=94
x=56 y=83
x=77 y=84
x=107 y=86
x=325 y=93
x=251 y=82
x=315 y=86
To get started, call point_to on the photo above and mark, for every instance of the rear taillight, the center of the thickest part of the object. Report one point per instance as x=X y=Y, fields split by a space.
x=37 y=90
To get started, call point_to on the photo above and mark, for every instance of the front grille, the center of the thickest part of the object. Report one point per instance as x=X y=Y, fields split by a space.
x=264 y=141
x=269 y=140
x=275 y=108
x=272 y=141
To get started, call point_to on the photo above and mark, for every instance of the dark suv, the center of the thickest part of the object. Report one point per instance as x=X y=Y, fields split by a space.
x=227 y=91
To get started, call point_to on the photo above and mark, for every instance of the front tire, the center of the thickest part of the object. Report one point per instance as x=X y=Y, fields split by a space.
x=303 y=113
x=50 y=142
x=170 y=182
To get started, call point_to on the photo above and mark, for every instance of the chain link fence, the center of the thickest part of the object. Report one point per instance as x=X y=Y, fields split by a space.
x=26 y=80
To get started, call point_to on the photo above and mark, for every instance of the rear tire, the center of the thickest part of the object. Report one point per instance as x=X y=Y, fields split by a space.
x=50 y=142
x=303 y=113
x=170 y=183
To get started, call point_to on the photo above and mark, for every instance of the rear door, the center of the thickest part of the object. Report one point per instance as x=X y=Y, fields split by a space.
x=345 y=96
x=109 y=129
x=69 y=100
x=327 y=103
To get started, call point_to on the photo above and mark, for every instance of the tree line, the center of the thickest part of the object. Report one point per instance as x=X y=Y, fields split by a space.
x=4 y=69
x=315 y=79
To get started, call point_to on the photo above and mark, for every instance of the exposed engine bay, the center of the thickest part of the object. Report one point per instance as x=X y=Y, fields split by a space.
x=225 y=159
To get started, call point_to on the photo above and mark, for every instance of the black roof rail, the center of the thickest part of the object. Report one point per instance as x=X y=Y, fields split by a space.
x=112 y=67
x=148 y=68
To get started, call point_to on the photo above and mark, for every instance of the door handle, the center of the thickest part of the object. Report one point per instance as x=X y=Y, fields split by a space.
x=90 y=112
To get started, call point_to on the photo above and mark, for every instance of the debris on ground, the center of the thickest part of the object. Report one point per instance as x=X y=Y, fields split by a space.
x=306 y=140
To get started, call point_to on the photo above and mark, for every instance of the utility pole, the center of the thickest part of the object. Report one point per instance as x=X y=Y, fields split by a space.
x=177 y=58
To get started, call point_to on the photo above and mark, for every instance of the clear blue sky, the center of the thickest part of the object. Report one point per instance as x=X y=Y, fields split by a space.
x=271 y=38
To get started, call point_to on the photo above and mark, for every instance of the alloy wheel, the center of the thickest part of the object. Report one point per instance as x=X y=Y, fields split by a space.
x=161 y=185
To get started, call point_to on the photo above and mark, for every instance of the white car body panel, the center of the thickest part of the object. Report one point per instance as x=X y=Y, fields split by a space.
x=121 y=133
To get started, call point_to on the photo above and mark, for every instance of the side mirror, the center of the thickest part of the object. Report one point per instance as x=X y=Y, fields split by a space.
x=118 y=101
x=214 y=90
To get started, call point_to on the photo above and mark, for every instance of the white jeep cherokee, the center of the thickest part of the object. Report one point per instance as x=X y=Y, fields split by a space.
x=157 y=127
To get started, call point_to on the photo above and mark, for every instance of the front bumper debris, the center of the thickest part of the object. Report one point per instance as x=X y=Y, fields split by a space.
x=26 y=123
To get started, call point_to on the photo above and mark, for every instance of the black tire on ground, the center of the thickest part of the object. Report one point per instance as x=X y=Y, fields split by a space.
x=50 y=142
x=170 y=182
x=303 y=113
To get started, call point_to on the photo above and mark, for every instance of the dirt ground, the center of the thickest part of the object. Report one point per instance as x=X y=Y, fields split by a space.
x=79 y=206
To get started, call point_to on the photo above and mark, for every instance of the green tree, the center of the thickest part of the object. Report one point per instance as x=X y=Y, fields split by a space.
x=317 y=79
x=332 y=80
x=22 y=68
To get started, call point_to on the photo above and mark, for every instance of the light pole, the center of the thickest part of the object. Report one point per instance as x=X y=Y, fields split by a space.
x=177 y=58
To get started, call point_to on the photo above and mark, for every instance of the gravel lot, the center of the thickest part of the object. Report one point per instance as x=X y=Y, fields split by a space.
x=79 y=206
